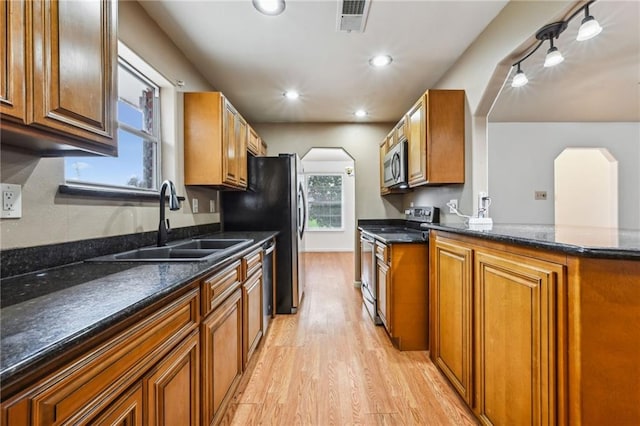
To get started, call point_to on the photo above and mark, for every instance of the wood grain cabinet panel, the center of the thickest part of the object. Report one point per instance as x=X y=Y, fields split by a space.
x=215 y=142
x=252 y=314
x=221 y=335
x=402 y=288
x=383 y=151
x=254 y=144
x=383 y=293
x=13 y=48
x=451 y=298
x=127 y=410
x=172 y=387
x=74 y=67
x=436 y=138
x=59 y=82
x=515 y=309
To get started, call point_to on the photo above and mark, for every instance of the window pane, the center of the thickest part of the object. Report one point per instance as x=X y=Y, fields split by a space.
x=324 y=194
x=137 y=101
x=133 y=167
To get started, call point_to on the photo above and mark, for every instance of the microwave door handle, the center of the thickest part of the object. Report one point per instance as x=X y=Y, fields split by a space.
x=395 y=167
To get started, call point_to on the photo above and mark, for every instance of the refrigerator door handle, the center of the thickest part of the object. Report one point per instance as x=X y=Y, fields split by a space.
x=302 y=211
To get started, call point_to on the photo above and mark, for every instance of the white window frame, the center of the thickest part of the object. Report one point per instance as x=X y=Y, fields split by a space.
x=342 y=218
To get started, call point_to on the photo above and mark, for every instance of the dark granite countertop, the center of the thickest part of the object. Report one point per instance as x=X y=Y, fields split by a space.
x=48 y=312
x=581 y=241
x=393 y=234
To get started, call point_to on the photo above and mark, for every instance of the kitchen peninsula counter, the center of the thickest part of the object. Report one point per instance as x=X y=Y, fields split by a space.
x=516 y=304
x=47 y=313
x=574 y=240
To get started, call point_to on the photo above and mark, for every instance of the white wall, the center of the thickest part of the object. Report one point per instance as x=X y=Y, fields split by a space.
x=521 y=159
x=49 y=217
x=343 y=240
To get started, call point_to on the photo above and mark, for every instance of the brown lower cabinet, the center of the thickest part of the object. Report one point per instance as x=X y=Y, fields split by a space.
x=529 y=336
x=221 y=357
x=178 y=362
x=402 y=293
x=94 y=381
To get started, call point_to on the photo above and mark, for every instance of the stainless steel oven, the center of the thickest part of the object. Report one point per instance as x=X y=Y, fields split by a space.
x=369 y=276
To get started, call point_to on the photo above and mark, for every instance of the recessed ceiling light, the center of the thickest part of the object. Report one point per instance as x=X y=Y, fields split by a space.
x=360 y=113
x=380 y=61
x=291 y=94
x=269 y=7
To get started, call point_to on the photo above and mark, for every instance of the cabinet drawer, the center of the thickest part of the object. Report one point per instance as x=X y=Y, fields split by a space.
x=382 y=252
x=90 y=383
x=220 y=285
x=252 y=262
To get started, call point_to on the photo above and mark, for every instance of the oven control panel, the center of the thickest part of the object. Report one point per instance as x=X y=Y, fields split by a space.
x=427 y=214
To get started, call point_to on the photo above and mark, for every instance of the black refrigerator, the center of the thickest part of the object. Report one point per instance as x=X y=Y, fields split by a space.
x=274 y=201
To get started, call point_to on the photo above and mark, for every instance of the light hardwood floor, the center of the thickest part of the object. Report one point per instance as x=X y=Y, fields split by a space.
x=330 y=365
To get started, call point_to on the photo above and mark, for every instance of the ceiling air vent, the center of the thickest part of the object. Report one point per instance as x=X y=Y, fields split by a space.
x=352 y=15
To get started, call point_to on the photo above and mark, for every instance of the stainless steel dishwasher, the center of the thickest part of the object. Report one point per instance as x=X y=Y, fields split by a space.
x=369 y=276
x=268 y=283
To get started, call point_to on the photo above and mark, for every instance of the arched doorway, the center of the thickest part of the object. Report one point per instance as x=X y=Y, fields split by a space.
x=330 y=187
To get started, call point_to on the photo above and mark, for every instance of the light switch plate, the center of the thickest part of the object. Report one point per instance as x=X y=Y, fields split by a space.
x=11 y=201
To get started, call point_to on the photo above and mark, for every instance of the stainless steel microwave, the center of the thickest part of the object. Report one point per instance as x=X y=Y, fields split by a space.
x=395 y=166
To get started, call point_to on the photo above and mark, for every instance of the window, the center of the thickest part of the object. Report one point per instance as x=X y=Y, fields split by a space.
x=324 y=202
x=137 y=165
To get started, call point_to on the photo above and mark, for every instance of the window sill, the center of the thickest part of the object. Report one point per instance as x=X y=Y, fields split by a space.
x=118 y=194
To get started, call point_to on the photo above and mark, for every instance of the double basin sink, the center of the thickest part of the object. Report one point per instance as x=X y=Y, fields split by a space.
x=203 y=249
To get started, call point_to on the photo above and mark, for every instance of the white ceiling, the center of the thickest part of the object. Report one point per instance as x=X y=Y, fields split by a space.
x=254 y=58
x=598 y=81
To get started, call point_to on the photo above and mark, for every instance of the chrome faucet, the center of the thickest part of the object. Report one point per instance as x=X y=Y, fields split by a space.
x=174 y=204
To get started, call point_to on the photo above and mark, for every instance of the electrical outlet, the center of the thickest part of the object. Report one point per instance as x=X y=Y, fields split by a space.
x=212 y=206
x=11 y=201
x=453 y=206
x=194 y=205
x=540 y=195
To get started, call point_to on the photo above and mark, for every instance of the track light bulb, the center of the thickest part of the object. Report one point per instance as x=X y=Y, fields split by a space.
x=554 y=57
x=589 y=28
x=520 y=79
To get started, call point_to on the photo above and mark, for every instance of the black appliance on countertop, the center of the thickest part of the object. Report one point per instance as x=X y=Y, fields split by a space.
x=274 y=201
x=400 y=231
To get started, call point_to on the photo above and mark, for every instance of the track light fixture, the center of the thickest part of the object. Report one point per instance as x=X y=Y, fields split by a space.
x=589 y=29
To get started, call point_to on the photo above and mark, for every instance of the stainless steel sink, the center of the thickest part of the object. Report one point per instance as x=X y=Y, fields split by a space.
x=209 y=244
x=185 y=251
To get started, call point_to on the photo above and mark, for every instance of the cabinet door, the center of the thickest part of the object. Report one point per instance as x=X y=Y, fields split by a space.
x=383 y=151
x=221 y=356
x=74 y=68
x=417 y=141
x=254 y=145
x=515 y=309
x=241 y=150
x=383 y=294
x=172 y=387
x=125 y=411
x=252 y=313
x=229 y=146
x=12 y=54
x=451 y=286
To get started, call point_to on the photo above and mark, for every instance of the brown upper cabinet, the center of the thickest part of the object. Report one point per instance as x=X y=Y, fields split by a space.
x=254 y=145
x=215 y=142
x=59 y=61
x=436 y=138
